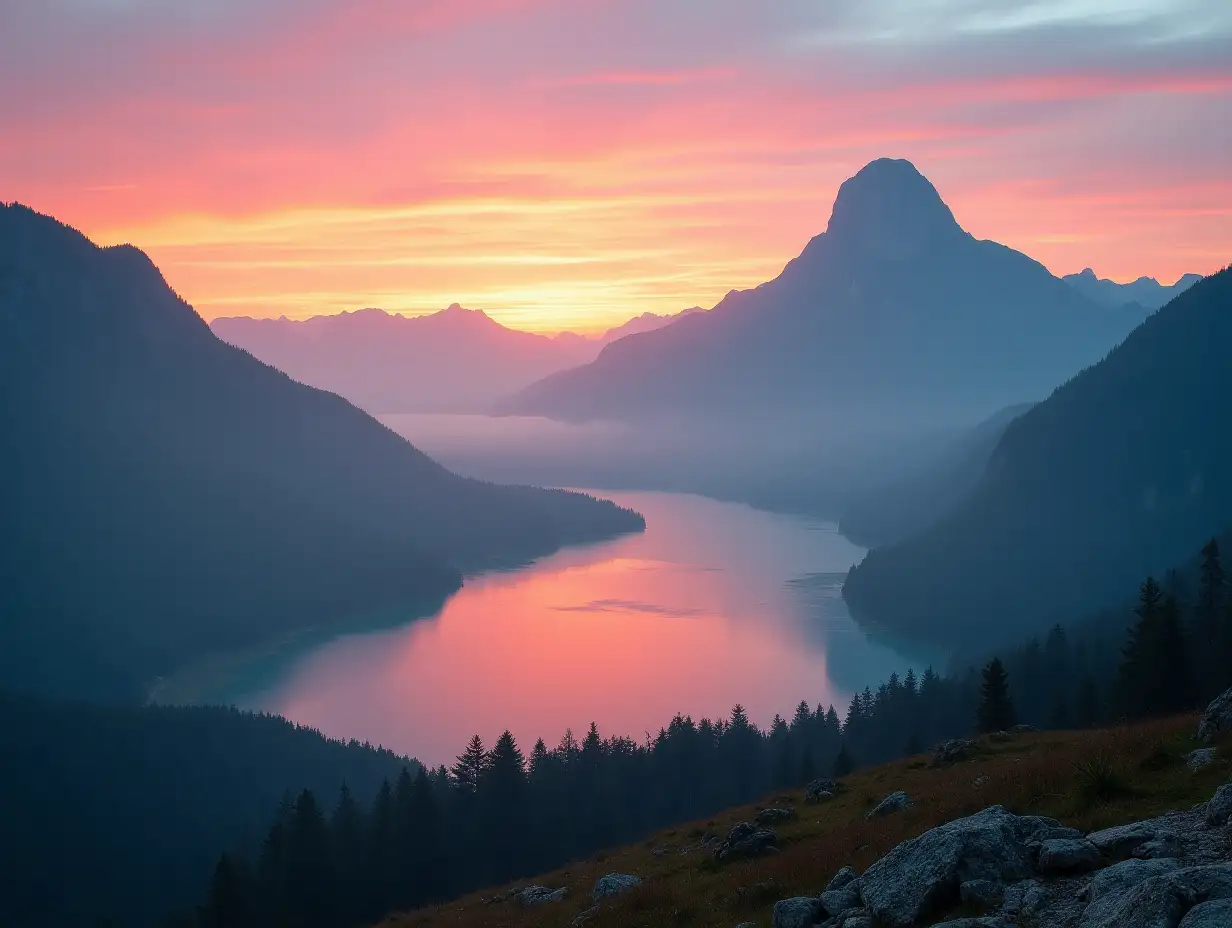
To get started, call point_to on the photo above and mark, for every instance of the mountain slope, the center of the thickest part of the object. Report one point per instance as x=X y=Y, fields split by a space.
x=1147 y=292
x=1121 y=473
x=896 y=511
x=147 y=798
x=894 y=315
x=165 y=494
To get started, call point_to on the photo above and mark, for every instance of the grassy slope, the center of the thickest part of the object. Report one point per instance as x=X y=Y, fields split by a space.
x=1037 y=773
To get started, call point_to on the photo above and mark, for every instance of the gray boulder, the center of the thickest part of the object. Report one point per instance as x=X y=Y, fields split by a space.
x=747 y=840
x=838 y=901
x=922 y=876
x=1123 y=840
x=1202 y=757
x=1166 y=844
x=537 y=895
x=1067 y=855
x=1214 y=914
x=774 y=815
x=613 y=885
x=1162 y=900
x=1109 y=885
x=798 y=912
x=989 y=921
x=950 y=752
x=845 y=877
x=820 y=790
x=854 y=921
x=895 y=802
x=1216 y=719
x=1219 y=809
x=981 y=892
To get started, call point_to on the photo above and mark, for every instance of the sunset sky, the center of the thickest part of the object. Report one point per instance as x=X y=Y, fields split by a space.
x=571 y=163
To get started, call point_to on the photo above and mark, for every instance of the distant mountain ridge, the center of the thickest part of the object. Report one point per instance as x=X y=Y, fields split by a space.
x=455 y=360
x=165 y=495
x=1121 y=473
x=893 y=314
x=1147 y=292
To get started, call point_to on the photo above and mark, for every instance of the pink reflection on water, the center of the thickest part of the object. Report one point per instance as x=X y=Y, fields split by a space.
x=691 y=617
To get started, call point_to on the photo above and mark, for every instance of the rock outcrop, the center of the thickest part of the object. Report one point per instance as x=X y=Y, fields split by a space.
x=895 y=802
x=1171 y=872
x=747 y=840
x=950 y=752
x=537 y=895
x=820 y=790
x=774 y=815
x=613 y=885
x=1217 y=719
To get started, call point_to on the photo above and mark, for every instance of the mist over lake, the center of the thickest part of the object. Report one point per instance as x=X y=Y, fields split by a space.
x=715 y=604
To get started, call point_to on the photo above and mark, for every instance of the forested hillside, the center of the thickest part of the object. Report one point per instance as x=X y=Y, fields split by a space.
x=118 y=812
x=1122 y=472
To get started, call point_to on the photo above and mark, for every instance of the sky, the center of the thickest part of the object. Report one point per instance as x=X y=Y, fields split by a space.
x=567 y=164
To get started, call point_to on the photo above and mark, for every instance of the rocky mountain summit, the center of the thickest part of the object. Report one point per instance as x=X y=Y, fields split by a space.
x=998 y=869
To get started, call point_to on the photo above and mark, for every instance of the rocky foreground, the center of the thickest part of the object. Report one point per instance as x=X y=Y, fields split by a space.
x=1029 y=870
x=1002 y=869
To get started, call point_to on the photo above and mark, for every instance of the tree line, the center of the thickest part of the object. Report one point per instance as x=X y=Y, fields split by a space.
x=497 y=814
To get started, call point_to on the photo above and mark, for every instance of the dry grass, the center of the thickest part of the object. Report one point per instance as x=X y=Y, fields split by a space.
x=1087 y=779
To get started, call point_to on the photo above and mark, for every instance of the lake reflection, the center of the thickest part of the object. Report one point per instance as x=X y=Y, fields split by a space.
x=715 y=604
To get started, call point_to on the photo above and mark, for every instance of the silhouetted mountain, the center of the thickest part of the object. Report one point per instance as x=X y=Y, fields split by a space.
x=132 y=806
x=1121 y=473
x=888 y=514
x=456 y=360
x=164 y=494
x=893 y=316
x=1147 y=292
x=646 y=322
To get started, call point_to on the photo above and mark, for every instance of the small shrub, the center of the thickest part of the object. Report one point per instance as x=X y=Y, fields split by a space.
x=1100 y=780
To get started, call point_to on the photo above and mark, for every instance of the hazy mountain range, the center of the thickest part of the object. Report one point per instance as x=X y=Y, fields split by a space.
x=166 y=495
x=455 y=360
x=893 y=316
x=937 y=484
x=1120 y=473
x=1147 y=292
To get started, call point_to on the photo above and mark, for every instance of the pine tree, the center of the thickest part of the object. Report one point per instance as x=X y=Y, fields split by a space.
x=231 y=900
x=1155 y=676
x=843 y=762
x=346 y=831
x=996 y=710
x=469 y=768
x=1137 y=658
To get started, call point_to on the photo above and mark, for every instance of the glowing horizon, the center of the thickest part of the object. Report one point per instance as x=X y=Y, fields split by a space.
x=547 y=163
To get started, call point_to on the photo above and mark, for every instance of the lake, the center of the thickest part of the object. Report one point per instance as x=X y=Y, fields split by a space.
x=716 y=603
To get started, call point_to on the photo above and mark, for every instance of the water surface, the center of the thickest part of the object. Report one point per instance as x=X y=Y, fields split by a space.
x=715 y=604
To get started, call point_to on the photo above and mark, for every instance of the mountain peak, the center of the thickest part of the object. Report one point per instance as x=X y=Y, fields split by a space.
x=460 y=313
x=890 y=209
